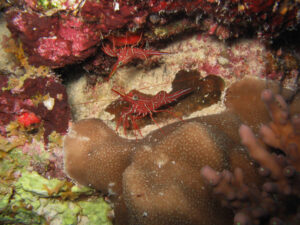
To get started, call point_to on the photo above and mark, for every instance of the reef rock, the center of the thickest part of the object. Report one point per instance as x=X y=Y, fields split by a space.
x=58 y=33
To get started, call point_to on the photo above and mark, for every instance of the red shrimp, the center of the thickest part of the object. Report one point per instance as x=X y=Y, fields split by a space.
x=143 y=106
x=126 y=54
x=128 y=39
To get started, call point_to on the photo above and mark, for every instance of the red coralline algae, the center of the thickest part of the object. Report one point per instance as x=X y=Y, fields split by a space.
x=256 y=6
x=53 y=41
x=28 y=105
x=110 y=16
x=71 y=33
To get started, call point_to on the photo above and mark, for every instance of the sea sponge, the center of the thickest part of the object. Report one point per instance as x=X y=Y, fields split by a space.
x=45 y=97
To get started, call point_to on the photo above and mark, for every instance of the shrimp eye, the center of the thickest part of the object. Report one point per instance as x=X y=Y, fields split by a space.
x=120 y=63
x=135 y=97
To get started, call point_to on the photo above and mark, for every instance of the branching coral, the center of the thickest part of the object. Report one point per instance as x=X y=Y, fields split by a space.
x=276 y=200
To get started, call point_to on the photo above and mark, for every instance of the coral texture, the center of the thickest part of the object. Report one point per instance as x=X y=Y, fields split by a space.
x=154 y=180
x=158 y=179
x=110 y=159
x=276 y=200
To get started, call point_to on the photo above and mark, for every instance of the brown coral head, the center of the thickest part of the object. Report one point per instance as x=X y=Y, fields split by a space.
x=163 y=185
x=95 y=156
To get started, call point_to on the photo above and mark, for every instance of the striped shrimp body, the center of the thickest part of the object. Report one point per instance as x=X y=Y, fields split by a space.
x=142 y=106
x=127 y=54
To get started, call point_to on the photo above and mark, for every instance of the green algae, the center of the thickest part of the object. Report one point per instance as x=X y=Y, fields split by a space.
x=6 y=146
x=29 y=198
x=22 y=216
x=13 y=162
x=32 y=204
x=96 y=211
x=33 y=182
x=51 y=3
x=5 y=193
x=82 y=190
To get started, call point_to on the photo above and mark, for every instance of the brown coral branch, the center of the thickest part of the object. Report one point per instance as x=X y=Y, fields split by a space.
x=277 y=198
x=281 y=132
x=258 y=152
